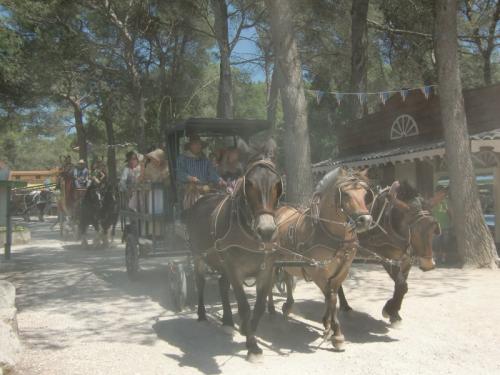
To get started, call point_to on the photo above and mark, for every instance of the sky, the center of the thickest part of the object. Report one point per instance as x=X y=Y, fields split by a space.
x=247 y=49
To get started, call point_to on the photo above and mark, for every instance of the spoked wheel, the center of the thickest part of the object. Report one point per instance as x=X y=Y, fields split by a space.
x=179 y=284
x=132 y=256
x=280 y=283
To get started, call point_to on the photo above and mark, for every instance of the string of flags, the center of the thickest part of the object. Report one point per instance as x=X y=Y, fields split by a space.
x=382 y=95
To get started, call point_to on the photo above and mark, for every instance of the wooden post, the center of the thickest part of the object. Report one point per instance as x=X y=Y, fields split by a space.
x=496 y=198
x=8 y=226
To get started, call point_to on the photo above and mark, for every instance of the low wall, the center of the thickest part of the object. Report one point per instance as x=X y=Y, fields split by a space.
x=19 y=237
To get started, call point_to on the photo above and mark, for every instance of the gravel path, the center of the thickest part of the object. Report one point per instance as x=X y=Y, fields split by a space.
x=79 y=314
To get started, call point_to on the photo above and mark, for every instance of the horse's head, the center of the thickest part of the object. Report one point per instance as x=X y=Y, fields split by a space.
x=414 y=222
x=261 y=187
x=93 y=196
x=344 y=195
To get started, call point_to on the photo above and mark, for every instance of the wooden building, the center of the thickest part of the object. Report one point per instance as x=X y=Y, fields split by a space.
x=404 y=141
x=34 y=177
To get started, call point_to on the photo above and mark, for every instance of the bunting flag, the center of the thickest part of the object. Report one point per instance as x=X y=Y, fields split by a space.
x=339 y=96
x=362 y=97
x=383 y=97
x=426 y=90
x=404 y=94
x=319 y=95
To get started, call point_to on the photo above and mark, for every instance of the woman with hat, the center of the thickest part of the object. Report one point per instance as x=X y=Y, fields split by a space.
x=130 y=176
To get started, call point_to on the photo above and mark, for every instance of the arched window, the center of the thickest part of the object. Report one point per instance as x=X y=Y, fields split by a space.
x=404 y=126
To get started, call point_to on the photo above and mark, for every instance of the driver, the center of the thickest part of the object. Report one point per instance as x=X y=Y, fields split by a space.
x=194 y=167
x=195 y=171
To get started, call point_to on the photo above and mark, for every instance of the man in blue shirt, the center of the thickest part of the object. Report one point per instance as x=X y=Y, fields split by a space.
x=194 y=167
x=195 y=171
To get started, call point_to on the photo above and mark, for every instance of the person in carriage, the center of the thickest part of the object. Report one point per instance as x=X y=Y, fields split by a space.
x=195 y=172
x=81 y=175
x=130 y=177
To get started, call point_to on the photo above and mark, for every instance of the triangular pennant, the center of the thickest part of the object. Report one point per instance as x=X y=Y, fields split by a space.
x=338 y=97
x=362 y=97
x=319 y=96
x=404 y=94
x=383 y=97
x=426 y=90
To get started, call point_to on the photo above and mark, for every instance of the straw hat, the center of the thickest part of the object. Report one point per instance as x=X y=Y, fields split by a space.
x=157 y=155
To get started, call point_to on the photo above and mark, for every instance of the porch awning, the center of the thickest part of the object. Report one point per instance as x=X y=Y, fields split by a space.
x=410 y=153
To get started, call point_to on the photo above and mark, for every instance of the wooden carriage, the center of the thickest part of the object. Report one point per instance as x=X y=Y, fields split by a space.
x=151 y=212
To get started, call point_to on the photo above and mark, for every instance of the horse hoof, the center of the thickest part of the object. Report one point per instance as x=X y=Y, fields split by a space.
x=228 y=330
x=385 y=314
x=255 y=357
x=338 y=343
x=396 y=324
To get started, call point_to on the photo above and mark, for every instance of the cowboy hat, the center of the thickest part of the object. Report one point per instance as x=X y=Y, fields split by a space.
x=81 y=161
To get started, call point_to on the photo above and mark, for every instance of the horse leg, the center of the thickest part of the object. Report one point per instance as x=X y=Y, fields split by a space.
x=227 y=314
x=270 y=299
x=243 y=308
x=330 y=319
x=264 y=286
x=199 y=268
x=82 y=233
x=344 y=305
x=393 y=305
x=287 y=306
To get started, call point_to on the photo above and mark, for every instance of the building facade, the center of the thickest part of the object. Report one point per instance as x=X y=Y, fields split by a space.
x=404 y=141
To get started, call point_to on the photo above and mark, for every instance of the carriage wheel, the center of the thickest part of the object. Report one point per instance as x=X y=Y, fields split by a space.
x=132 y=256
x=178 y=285
x=280 y=281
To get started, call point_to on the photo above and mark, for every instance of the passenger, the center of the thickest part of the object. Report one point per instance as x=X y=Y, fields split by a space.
x=229 y=167
x=155 y=167
x=195 y=171
x=81 y=175
x=130 y=177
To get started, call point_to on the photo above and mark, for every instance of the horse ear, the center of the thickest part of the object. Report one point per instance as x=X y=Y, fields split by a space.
x=342 y=171
x=393 y=191
x=364 y=173
x=269 y=148
x=244 y=149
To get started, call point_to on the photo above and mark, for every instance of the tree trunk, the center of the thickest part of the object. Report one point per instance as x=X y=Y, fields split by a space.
x=359 y=55
x=272 y=100
x=487 y=68
x=475 y=244
x=80 y=131
x=297 y=147
x=110 y=135
x=225 y=99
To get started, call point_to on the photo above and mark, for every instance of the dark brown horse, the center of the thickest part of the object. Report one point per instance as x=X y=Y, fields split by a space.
x=324 y=235
x=402 y=230
x=233 y=235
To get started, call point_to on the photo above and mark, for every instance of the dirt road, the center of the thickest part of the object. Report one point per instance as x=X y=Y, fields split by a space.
x=79 y=314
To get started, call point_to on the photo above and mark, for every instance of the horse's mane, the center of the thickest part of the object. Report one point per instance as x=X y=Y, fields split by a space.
x=336 y=177
x=408 y=194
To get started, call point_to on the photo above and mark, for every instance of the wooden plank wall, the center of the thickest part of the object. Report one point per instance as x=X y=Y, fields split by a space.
x=372 y=133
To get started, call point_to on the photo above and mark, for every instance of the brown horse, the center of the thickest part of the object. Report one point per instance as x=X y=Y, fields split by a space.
x=233 y=235
x=402 y=229
x=324 y=236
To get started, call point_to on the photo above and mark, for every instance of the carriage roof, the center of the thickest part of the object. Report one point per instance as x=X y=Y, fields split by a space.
x=213 y=127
